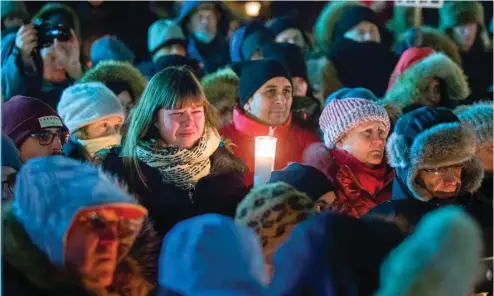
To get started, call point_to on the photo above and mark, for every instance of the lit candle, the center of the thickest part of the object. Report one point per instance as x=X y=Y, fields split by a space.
x=252 y=8
x=264 y=159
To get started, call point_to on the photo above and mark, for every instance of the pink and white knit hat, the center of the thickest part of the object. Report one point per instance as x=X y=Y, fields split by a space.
x=340 y=116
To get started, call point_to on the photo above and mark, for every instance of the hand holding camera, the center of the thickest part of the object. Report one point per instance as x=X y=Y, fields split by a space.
x=26 y=41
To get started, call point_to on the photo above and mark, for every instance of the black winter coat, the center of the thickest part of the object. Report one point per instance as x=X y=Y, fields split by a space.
x=220 y=192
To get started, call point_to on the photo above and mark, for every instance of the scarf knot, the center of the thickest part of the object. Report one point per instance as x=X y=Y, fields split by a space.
x=182 y=167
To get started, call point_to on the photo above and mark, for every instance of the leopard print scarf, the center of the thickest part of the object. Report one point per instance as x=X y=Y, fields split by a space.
x=180 y=166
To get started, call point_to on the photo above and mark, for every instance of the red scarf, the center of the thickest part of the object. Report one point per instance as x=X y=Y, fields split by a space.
x=360 y=185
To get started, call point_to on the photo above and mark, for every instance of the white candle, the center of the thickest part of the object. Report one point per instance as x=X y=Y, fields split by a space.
x=264 y=159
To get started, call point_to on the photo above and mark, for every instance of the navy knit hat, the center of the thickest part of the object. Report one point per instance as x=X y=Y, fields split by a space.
x=290 y=55
x=305 y=179
x=111 y=48
x=249 y=39
x=253 y=74
x=351 y=17
x=351 y=93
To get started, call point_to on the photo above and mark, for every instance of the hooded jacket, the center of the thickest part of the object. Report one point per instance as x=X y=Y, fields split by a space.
x=477 y=62
x=35 y=229
x=427 y=138
x=290 y=146
x=412 y=76
x=211 y=255
x=334 y=255
x=219 y=192
x=221 y=89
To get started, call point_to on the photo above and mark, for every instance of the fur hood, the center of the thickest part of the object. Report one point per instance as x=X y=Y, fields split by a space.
x=443 y=144
x=409 y=87
x=326 y=21
x=436 y=40
x=221 y=86
x=113 y=71
x=18 y=250
x=454 y=13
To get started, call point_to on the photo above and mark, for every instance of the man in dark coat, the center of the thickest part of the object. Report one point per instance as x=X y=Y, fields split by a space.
x=206 y=23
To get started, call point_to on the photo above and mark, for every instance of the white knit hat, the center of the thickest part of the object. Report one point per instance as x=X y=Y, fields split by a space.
x=85 y=103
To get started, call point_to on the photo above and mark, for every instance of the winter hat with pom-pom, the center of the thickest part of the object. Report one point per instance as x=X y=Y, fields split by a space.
x=86 y=103
x=346 y=109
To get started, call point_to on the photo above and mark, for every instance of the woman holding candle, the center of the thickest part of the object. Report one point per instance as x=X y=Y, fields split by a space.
x=352 y=157
x=172 y=155
x=264 y=102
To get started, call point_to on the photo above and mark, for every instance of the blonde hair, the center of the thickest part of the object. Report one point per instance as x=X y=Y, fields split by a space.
x=171 y=88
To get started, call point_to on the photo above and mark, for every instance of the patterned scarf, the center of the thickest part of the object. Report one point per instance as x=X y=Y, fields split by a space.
x=180 y=166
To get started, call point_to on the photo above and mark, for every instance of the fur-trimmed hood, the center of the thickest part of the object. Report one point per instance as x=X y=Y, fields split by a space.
x=108 y=72
x=221 y=87
x=409 y=87
x=454 y=13
x=429 y=138
x=326 y=22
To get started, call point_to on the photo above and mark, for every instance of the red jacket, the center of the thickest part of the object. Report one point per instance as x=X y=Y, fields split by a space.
x=291 y=144
x=358 y=188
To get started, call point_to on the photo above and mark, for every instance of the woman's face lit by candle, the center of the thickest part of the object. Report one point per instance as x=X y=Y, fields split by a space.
x=271 y=103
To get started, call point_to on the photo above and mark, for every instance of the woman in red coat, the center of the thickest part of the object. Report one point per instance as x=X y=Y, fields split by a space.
x=353 y=155
x=265 y=98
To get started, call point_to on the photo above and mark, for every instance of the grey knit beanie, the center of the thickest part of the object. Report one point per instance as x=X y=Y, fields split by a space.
x=479 y=117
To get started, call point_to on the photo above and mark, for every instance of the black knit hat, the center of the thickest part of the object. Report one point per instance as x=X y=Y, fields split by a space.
x=290 y=55
x=351 y=17
x=253 y=74
x=304 y=178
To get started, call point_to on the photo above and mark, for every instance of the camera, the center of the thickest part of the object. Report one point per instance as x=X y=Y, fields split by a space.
x=48 y=31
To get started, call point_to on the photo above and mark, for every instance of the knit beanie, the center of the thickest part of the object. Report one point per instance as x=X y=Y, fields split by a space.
x=23 y=116
x=86 y=103
x=344 y=112
x=348 y=93
x=290 y=55
x=10 y=154
x=110 y=48
x=303 y=178
x=249 y=39
x=164 y=32
x=479 y=117
x=253 y=74
x=282 y=23
x=352 y=16
x=270 y=209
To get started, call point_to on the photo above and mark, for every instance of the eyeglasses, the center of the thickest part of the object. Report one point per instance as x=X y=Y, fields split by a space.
x=125 y=227
x=443 y=170
x=46 y=137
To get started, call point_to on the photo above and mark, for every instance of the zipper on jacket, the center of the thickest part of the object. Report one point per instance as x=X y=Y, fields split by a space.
x=191 y=195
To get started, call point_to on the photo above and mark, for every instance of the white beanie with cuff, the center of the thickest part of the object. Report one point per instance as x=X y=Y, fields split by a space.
x=85 y=103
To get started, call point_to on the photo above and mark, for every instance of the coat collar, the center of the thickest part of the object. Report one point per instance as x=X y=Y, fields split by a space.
x=253 y=128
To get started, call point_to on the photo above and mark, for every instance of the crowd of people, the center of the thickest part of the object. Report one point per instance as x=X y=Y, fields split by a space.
x=138 y=178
